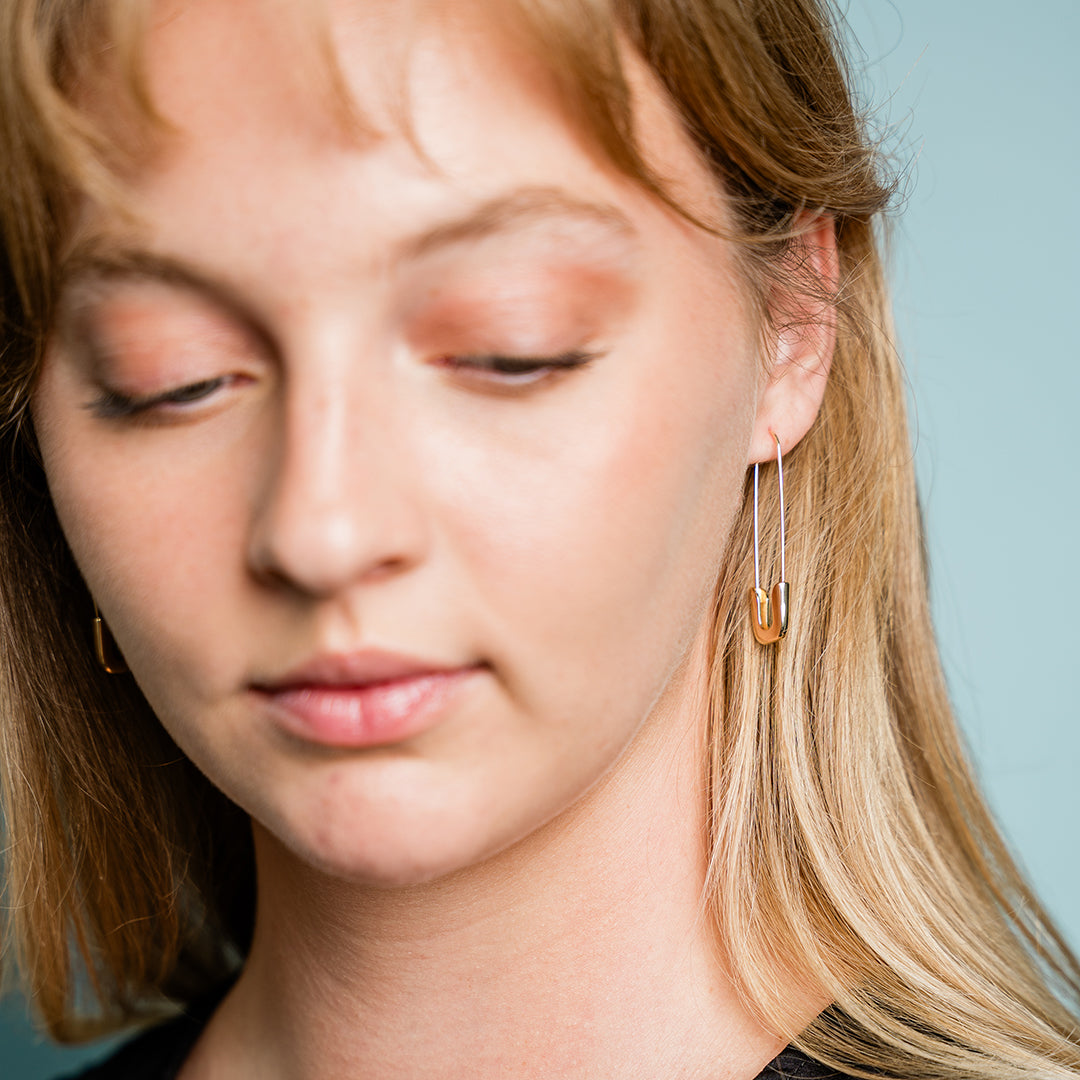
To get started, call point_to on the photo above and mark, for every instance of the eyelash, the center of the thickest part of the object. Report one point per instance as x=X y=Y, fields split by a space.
x=112 y=405
x=514 y=371
x=510 y=371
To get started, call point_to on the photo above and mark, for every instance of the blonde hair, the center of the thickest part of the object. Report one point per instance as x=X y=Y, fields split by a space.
x=850 y=847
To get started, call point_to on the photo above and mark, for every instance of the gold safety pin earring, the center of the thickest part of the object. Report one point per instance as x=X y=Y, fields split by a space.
x=769 y=613
x=108 y=655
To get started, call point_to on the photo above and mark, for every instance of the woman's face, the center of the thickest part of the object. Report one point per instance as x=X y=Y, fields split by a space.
x=458 y=393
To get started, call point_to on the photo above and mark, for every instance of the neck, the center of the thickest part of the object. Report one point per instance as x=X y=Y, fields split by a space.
x=583 y=950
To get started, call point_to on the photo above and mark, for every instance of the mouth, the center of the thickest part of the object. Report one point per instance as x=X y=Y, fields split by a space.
x=362 y=699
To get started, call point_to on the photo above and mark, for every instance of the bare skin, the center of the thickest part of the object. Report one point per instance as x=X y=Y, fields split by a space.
x=581 y=951
x=287 y=440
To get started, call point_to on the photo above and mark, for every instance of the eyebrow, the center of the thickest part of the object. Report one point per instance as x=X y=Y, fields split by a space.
x=100 y=254
x=521 y=208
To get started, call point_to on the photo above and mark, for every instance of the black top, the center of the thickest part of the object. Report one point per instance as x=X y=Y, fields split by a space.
x=159 y=1053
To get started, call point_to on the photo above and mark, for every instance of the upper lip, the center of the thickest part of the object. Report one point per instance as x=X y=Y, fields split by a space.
x=358 y=668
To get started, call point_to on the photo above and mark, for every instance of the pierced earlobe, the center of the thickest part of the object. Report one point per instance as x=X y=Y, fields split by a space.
x=769 y=611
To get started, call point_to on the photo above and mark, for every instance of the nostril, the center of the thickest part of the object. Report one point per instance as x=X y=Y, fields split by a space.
x=318 y=548
x=322 y=576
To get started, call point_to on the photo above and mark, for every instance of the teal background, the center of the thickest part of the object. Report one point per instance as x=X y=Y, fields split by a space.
x=980 y=103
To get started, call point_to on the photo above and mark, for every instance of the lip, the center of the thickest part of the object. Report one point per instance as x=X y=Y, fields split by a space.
x=362 y=699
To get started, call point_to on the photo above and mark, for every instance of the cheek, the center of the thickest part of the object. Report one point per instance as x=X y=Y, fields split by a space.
x=595 y=541
x=158 y=538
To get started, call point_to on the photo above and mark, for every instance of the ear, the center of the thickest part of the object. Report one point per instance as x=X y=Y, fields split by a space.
x=800 y=341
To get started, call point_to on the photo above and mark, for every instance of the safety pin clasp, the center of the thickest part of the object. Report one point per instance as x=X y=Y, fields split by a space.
x=769 y=613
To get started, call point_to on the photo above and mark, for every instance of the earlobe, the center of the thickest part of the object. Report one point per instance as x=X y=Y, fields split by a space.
x=800 y=338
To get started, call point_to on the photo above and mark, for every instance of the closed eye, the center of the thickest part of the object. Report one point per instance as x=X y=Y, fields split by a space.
x=114 y=405
x=507 y=371
x=517 y=370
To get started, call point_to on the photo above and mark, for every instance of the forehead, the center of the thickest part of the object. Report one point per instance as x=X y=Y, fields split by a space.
x=446 y=94
x=303 y=162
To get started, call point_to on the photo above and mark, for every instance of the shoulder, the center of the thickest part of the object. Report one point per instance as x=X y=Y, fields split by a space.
x=792 y=1064
x=157 y=1053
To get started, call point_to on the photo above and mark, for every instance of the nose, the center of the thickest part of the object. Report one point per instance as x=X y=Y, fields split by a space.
x=338 y=503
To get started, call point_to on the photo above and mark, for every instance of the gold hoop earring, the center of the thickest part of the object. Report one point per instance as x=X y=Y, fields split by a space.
x=105 y=647
x=769 y=612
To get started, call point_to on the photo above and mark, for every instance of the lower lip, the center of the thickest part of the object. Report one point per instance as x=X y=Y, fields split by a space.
x=374 y=715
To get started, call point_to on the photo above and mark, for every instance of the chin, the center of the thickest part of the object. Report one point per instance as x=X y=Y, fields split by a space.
x=377 y=848
x=397 y=871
